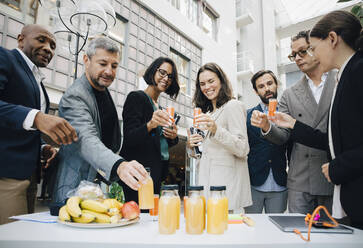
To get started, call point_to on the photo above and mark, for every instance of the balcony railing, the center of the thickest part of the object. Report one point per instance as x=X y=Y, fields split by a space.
x=245 y=64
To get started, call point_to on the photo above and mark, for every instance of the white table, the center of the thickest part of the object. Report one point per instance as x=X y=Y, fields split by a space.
x=145 y=234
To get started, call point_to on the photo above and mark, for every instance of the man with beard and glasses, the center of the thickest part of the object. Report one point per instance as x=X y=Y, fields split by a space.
x=88 y=106
x=308 y=101
x=266 y=161
x=24 y=104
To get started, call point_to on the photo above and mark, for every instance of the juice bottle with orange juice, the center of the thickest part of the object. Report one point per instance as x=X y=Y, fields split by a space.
x=215 y=211
x=225 y=206
x=272 y=104
x=194 y=222
x=146 y=193
x=167 y=210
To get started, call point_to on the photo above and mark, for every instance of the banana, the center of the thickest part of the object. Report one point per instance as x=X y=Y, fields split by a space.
x=113 y=211
x=63 y=214
x=73 y=206
x=100 y=218
x=112 y=203
x=115 y=219
x=94 y=205
x=85 y=218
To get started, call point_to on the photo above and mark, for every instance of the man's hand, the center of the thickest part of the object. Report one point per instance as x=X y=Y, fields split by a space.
x=170 y=133
x=132 y=173
x=48 y=154
x=58 y=129
x=325 y=170
x=259 y=119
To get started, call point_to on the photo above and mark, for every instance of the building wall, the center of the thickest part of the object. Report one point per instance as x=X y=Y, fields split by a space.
x=153 y=28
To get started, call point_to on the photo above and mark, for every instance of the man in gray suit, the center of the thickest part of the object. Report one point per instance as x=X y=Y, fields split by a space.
x=88 y=106
x=308 y=101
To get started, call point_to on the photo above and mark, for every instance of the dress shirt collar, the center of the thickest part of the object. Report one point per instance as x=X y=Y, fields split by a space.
x=33 y=68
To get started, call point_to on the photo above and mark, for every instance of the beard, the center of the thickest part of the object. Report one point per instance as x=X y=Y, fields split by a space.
x=95 y=81
x=265 y=100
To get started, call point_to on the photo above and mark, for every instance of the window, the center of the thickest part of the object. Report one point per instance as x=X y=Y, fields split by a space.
x=15 y=4
x=182 y=65
x=209 y=21
x=118 y=33
x=189 y=8
x=200 y=13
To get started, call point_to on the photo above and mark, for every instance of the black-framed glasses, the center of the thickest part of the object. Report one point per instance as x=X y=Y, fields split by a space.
x=301 y=53
x=163 y=73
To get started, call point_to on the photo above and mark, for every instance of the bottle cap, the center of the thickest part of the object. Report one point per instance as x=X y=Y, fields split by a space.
x=195 y=188
x=217 y=188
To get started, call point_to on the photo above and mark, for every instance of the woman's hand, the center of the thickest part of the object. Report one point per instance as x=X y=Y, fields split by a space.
x=159 y=118
x=193 y=140
x=205 y=122
x=283 y=120
x=325 y=170
x=170 y=132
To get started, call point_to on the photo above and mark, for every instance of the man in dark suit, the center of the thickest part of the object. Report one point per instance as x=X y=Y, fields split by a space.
x=266 y=161
x=23 y=104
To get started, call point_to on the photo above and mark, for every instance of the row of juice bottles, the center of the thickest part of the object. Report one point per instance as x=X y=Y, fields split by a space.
x=194 y=208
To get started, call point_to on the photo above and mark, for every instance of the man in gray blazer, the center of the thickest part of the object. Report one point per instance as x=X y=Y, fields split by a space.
x=308 y=101
x=88 y=106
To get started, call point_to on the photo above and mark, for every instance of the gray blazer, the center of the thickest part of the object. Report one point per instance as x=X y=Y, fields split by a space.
x=304 y=173
x=83 y=159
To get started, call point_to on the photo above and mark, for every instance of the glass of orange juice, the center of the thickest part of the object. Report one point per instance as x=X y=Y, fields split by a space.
x=196 y=112
x=272 y=104
x=171 y=112
x=194 y=220
x=154 y=211
x=146 y=193
x=167 y=210
x=215 y=211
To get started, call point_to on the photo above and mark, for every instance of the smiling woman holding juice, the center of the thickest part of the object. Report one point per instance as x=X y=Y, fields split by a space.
x=149 y=131
x=225 y=146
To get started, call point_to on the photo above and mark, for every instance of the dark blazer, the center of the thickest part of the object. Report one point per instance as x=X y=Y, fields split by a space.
x=264 y=155
x=347 y=135
x=140 y=145
x=19 y=93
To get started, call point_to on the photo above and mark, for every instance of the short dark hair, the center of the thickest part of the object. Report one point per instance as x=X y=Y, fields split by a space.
x=174 y=88
x=259 y=74
x=344 y=24
x=302 y=34
x=224 y=95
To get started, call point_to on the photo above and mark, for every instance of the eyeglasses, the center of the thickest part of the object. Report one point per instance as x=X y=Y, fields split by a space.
x=163 y=73
x=301 y=53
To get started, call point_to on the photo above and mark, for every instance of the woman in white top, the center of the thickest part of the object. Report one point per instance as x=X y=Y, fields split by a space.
x=225 y=146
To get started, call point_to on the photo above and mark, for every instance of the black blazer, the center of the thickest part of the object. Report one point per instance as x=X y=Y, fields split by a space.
x=140 y=145
x=264 y=155
x=19 y=93
x=347 y=135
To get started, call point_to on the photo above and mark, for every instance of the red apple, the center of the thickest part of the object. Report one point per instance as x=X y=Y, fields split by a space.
x=130 y=210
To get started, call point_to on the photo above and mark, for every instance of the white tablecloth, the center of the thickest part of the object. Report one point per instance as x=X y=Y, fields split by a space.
x=145 y=234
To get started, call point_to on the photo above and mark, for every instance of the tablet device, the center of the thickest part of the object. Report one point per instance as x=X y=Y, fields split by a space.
x=288 y=223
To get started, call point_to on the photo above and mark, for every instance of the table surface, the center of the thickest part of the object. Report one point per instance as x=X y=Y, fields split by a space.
x=145 y=234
